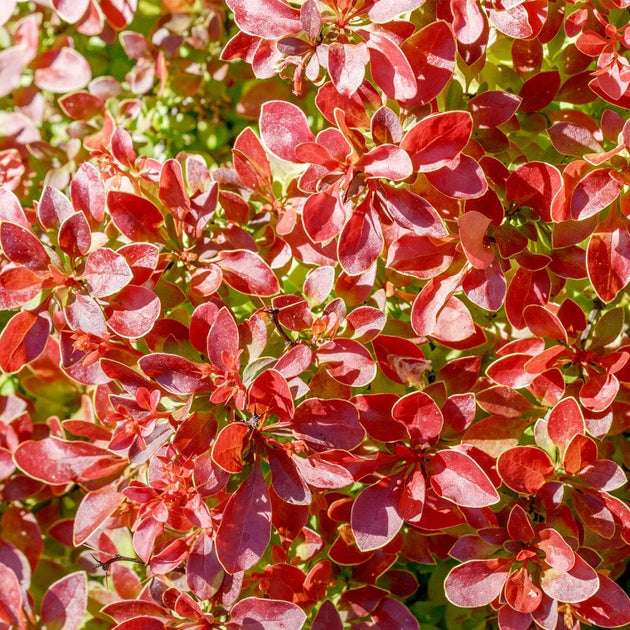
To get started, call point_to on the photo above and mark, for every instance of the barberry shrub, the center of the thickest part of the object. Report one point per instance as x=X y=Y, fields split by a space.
x=313 y=314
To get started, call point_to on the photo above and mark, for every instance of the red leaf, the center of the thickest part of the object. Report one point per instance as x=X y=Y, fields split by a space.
x=543 y=323
x=62 y=70
x=175 y=374
x=387 y=161
x=136 y=217
x=119 y=13
x=230 y=445
x=75 y=238
x=477 y=582
x=245 y=528
x=472 y=230
x=573 y=139
x=420 y=415
x=223 y=341
x=348 y=362
x=558 y=553
x=607 y=259
x=360 y=241
x=323 y=216
x=286 y=479
x=172 y=190
x=431 y=53
x=572 y=586
x=328 y=424
x=65 y=602
x=526 y=287
x=247 y=272
x=565 y=422
x=204 y=573
x=270 y=393
x=437 y=140
x=534 y=184
x=609 y=607
x=133 y=312
x=524 y=468
x=457 y=477
x=283 y=126
x=253 y=613
x=23 y=248
x=270 y=19
x=390 y=69
x=59 y=462
x=593 y=193
x=93 y=511
x=463 y=178
x=106 y=272
x=23 y=340
x=375 y=517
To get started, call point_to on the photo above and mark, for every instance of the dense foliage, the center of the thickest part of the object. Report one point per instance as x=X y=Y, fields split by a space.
x=313 y=314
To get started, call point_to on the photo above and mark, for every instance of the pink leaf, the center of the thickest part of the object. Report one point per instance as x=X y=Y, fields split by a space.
x=11 y=67
x=63 y=70
x=270 y=19
x=64 y=603
x=71 y=11
x=346 y=66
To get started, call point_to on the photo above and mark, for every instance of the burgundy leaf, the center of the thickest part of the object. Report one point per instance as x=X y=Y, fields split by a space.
x=245 y=528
